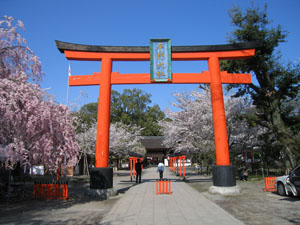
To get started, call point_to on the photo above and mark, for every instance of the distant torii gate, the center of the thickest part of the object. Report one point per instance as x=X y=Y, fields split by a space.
x=223 y=172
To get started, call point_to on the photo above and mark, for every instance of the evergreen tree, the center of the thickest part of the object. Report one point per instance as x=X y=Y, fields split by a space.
x=277 y=84
x=130 y=108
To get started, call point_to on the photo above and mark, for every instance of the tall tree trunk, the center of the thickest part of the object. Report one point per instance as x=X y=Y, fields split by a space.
x=284 y=136
x=289 y=144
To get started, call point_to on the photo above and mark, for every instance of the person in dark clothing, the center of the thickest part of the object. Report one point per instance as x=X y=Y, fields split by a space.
x=244 y=174
x=138 y=169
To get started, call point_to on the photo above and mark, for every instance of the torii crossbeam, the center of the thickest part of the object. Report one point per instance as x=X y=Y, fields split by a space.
x=105 y=78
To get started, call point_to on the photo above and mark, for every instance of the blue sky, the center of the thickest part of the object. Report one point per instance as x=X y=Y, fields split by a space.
x=133 y=23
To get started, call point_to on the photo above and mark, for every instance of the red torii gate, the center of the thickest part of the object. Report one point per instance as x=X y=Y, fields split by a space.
x=177 y=164
x=223 y=173
x=133 y=158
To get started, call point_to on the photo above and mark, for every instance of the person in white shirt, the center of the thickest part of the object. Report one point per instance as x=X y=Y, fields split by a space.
x=160 y=169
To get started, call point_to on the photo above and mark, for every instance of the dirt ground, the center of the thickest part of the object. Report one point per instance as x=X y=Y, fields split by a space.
x=79 y=209
x=253 y=206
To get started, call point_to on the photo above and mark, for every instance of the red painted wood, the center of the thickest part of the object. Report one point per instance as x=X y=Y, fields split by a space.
x=103 y=117
x=220 y=130
x=144 y=78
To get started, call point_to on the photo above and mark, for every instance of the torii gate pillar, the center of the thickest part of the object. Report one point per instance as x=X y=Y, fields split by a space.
x=223 y=172
x=103 y=117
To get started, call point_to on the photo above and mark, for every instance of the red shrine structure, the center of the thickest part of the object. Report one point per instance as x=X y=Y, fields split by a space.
x=223 y=172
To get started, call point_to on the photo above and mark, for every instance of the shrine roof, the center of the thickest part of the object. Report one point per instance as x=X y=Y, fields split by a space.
x=153 y=142
x=63 y=46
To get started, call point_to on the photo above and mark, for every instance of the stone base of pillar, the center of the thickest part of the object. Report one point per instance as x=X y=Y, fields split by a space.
x=234 y=190
x=101 y=178
x=101 y=194
x=223 y=176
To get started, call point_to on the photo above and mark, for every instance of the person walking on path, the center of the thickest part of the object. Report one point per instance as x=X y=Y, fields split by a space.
x=138 y=169
x=160 y=169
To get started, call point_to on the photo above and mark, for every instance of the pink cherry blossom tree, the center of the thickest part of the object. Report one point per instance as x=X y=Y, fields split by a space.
x=33 y=128
x=191 y=128
x=17 y=60
x=122 y=140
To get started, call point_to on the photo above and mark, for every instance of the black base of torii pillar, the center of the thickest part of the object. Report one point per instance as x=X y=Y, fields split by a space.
x=223 y=176
x=101 y=178
x=224 y=181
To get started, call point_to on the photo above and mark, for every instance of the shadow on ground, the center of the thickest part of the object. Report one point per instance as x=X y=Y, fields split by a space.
x=78 y=209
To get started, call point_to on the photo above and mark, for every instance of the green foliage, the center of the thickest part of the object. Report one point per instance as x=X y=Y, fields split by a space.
x=277 y=84
x=86 y=117
x=132 y=107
